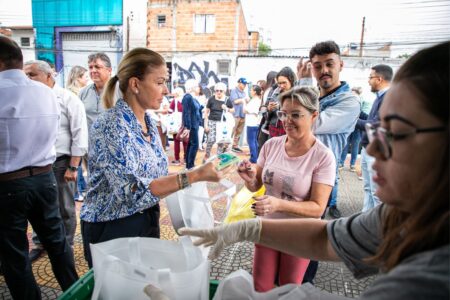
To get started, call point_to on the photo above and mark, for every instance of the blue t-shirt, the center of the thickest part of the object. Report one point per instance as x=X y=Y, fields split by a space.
x=236 y=93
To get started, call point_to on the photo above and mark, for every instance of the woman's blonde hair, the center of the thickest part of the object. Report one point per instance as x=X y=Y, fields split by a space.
x=308 y=97
x=75 y=73
x=136 y=63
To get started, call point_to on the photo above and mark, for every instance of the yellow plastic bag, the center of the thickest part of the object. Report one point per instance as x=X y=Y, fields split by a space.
x=241 y=205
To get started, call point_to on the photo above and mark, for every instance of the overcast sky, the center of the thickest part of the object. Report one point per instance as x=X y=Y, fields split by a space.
x=300 y=24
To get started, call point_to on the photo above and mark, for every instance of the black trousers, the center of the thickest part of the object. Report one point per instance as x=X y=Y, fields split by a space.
x=141 y=224
x=33 y=199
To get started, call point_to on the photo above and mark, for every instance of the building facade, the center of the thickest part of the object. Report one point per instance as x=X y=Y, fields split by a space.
x=67 y=31
x=200 y=38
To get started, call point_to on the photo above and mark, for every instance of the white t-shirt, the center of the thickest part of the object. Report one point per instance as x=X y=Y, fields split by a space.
x=252 y=109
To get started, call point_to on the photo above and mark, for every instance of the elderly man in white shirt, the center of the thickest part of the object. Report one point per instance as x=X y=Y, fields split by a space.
x=29 y=117
x=71 y=145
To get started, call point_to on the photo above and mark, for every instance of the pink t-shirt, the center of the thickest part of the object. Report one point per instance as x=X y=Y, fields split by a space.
x=291 y=178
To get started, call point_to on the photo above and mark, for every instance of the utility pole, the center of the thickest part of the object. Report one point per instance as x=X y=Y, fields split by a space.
x=128 y=33
x=362 y=37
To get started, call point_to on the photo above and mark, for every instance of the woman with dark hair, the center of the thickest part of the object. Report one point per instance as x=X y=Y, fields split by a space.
x=285 y=81
x=406 y=238
x=263 y=129
x=251 y=110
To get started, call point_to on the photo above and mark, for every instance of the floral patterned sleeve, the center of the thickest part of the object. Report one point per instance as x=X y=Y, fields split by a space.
x=120 y=159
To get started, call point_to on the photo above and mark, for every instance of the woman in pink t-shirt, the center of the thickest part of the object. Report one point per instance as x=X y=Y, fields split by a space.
x=298 y=172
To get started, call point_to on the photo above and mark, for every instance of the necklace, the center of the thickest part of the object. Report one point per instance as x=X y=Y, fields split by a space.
x=147 y=125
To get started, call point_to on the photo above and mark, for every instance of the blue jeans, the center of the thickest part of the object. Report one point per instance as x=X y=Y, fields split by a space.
x=192 y=148
x=81 y=182
x=353 y=141
x=370 y=200
x=252 y=141
x=334 y=192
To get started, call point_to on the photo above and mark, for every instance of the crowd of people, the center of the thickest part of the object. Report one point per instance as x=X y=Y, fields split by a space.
x=299 y=125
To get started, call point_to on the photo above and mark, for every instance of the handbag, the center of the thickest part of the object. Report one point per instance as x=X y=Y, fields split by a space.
x=224 y=128
x=183 y=134
x=124 y=266
x=174 y=120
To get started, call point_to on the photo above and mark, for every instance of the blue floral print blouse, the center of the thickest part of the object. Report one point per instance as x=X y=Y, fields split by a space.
x=120 y=158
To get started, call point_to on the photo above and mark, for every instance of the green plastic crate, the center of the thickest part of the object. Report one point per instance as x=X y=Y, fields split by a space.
x=83 y=288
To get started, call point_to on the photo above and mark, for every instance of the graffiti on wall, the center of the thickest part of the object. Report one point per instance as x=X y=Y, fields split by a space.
x=205 y=76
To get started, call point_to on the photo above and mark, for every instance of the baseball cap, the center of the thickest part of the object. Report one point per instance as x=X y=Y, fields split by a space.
x=243 y=80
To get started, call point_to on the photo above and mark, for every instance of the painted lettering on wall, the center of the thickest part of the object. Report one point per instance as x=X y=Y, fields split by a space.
x=207 y=78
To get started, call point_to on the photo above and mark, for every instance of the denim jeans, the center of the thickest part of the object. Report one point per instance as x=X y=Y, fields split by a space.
x=353 y=141
x=32 y=199
x=192 y=148
x=81 y=182
x=370 y=200
x=252 y=141
x=332 y=202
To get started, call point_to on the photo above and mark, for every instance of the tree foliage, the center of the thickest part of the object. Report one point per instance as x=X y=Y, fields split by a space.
x=264 y=49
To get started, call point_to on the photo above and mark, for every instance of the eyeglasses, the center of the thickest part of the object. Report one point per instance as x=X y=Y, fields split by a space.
x=295 y=116
x=384 y=138
x=219 y=91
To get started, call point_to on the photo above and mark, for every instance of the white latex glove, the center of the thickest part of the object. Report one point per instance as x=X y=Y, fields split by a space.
x=222 y=236
x=155 y=293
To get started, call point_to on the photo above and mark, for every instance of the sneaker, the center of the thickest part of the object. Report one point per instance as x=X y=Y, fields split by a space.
x=80 y=197
x=352 y=169
x=360 y=178
x=35 y=254
x=334 y=212
x=176 y=162
x=236 y=149
x=341 y=167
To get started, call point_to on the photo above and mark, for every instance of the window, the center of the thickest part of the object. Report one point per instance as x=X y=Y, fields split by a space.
x=25 y=41
x=161 y=19
x=204 y=23
x=223 y=67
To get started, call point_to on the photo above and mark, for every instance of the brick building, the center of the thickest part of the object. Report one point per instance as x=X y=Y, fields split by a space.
x=198 y=26
x=200 y=38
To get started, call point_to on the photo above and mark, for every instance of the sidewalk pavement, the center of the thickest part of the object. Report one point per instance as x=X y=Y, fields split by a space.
x=331 y=277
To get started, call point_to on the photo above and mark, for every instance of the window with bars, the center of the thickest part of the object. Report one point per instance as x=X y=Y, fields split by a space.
x=204 y=23
x=25 y=42
x=223 y=67
x=161 y=20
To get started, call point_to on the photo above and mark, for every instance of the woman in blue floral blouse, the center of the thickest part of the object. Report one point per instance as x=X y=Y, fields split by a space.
x=127 y=163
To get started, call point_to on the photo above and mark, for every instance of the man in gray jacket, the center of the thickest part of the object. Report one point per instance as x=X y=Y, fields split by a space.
x=339 y=111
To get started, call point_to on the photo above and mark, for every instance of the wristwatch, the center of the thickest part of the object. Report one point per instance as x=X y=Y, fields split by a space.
x=183 y=181
x=72 y=168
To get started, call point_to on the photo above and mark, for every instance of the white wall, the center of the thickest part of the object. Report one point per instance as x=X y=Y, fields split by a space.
x=136 y=10
x=15 y=13
x=28 y=52
x=356 y=70
x=203 y=67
